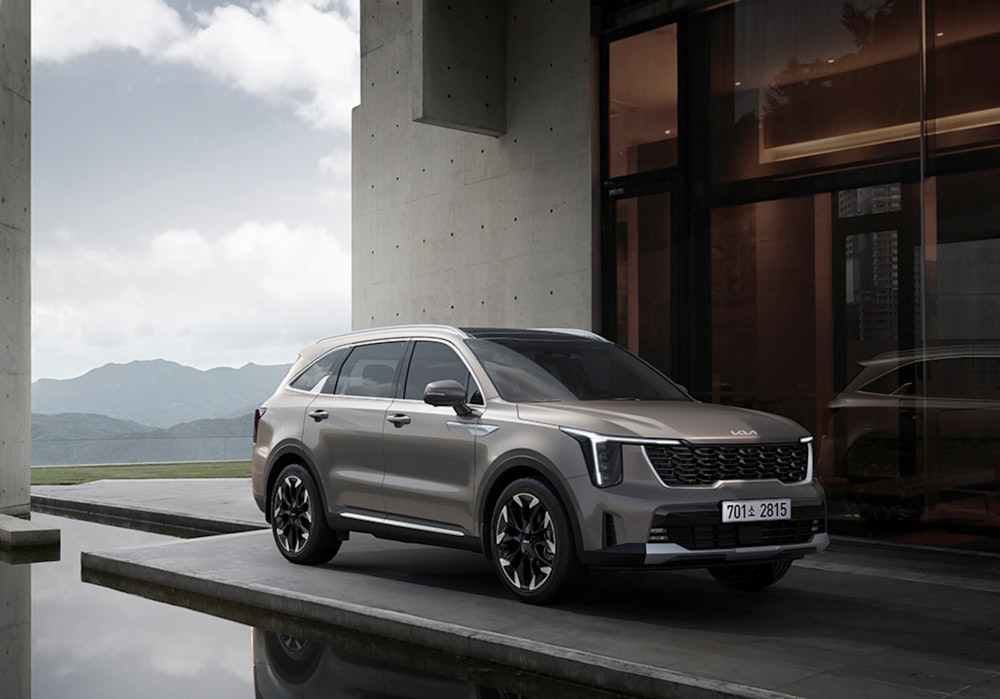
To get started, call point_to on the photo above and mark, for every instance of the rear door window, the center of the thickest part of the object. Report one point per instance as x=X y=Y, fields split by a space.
x=370 y=370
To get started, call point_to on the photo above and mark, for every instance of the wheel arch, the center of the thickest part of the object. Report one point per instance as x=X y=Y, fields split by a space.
x=512 y=470
x=282 y=457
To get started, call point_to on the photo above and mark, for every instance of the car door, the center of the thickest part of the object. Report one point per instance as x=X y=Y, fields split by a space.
x=430 y=451
x=344 y=424
x=963 y=425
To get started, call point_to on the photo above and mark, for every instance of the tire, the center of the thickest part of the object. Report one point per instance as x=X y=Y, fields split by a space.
x=294 y=660
x=532 y=544
x=297 y=520
x=752 y=576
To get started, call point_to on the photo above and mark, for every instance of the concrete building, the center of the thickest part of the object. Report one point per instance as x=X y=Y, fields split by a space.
x=759 y=197
x=472 y=164
x=15 y=229
x=15 y=314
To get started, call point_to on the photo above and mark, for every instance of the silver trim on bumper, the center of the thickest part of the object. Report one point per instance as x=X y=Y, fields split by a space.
x=657 y=554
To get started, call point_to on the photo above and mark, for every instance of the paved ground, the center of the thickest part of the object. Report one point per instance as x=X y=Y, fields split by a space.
x=856 y=621
x=181 y=507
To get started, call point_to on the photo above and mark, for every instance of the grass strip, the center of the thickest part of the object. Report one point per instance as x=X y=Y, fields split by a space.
x=71 y=475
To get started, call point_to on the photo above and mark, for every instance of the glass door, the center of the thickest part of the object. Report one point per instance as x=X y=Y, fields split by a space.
x=642 y=158
x=641 y=232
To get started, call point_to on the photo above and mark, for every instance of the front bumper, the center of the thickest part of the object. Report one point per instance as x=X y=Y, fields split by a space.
x=693 y=536
x=676 y=556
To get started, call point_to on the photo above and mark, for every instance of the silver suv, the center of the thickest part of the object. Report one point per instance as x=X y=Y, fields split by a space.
x=550 y=451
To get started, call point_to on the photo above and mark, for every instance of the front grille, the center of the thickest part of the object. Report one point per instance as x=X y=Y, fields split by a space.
x=699 y=537
x=703 y=465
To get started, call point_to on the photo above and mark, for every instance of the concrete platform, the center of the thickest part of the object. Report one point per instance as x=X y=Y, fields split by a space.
x=179 y=507
x=856 y=621
x=16 y=533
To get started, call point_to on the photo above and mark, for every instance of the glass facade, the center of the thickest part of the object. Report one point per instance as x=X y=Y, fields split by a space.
x=821 y=238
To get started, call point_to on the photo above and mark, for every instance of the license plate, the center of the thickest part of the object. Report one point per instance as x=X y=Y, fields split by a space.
x=756 y=510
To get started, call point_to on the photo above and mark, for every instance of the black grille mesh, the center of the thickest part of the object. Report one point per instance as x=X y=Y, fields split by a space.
x=702 y=465
x=717 y=536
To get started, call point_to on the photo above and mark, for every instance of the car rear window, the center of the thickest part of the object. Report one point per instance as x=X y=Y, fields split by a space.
x=557 y=369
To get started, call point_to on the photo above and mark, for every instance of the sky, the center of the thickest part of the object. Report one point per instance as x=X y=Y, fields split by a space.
x=190 y=180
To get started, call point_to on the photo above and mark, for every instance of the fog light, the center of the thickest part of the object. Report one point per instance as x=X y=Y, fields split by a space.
x=659 y=535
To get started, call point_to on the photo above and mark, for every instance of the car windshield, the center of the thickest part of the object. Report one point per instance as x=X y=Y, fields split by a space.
x=557 y=369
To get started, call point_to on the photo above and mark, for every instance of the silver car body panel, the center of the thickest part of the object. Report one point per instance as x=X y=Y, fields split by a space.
x=435 y=471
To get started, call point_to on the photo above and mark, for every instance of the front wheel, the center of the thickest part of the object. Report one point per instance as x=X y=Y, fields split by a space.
x=532 y=543
x=752 y=576
x=297 y=520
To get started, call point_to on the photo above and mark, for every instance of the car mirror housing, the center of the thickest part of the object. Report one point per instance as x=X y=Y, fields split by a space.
x=447 y=393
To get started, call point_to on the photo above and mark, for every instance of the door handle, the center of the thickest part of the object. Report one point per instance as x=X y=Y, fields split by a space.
x=318 y=415
x=399 y=419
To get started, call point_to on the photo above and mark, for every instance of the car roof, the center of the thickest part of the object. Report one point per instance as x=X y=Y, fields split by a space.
x=481 y=333
x=309 y=354
x=530 y=334
x=444 y=332
x=873 y=367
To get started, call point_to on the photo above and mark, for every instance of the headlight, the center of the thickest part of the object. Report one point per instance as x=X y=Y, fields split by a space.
x=603 y=456
x=808 y=441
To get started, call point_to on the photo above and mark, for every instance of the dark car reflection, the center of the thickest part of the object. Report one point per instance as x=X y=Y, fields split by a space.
x=286 y=666
x=916 y=436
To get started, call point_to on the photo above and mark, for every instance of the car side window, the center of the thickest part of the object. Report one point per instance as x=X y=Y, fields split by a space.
x=434 y=361
x=320 y=370
x=370 y=370
x=890 y=384
x=971 y=378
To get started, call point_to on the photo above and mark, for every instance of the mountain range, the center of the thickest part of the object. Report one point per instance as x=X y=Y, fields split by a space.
x=148 y=411
x=159 y=393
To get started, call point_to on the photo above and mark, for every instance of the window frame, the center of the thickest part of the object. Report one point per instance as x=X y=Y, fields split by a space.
x=473 y=381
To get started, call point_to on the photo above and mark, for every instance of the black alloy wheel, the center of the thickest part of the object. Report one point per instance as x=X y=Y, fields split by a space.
x=752 y=576
x=532 y=541
x=293 y=659
x=297 y=521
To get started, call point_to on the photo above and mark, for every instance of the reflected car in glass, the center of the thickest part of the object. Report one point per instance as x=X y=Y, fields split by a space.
x=549 y=451
x=916 y=436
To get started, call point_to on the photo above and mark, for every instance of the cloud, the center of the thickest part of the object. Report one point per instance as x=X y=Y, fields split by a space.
x=257 y=293
x=303 y=53
x=62 y=30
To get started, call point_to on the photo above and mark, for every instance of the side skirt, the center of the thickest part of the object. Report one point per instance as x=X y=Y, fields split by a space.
x=408 y=530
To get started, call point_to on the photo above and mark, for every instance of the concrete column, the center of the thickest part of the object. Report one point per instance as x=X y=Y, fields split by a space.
x=15 y=281
x=15 y=628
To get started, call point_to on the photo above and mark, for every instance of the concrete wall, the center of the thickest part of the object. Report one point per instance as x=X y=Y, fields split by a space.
x=460 y=64
x=464 y=228
x=15 y=283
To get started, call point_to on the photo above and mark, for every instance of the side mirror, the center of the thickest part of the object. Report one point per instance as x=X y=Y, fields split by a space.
x=447 y=393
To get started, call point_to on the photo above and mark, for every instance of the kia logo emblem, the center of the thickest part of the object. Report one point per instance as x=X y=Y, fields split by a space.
x=743 y=433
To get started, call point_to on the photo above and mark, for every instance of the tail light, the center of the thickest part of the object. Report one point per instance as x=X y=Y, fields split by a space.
x=257 y=415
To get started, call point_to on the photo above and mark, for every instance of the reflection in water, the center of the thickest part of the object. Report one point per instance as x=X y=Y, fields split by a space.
x=94 y=641
x=88 y=641
x=286 y=666
x=15 y=630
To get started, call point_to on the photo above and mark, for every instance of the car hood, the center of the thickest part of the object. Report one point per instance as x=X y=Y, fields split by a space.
x=693 y=422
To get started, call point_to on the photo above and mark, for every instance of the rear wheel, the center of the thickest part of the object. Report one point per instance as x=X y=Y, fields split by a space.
x=752 y=576
x=532 y=543
x=297 y=521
